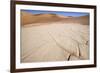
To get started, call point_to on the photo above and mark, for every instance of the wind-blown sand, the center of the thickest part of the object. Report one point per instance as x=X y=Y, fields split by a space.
x=54 y=41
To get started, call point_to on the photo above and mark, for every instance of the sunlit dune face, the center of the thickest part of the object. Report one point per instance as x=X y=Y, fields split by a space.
x=29 y=18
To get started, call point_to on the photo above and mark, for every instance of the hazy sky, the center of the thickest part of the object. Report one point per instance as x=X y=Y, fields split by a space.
x=75 y=14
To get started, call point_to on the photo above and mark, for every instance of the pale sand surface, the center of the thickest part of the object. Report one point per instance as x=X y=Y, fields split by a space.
x=54 y=41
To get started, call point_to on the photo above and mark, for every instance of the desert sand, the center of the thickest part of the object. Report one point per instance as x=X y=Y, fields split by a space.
x=51 y=37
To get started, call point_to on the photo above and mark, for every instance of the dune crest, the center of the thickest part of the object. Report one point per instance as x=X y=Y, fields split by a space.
x=29 y=18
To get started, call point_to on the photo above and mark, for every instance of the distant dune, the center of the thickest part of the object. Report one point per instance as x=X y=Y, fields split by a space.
x=84 y=20
x=29 y=18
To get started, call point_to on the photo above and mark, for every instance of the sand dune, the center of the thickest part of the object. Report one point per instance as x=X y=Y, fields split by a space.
x=28 y=18
x=59 y=38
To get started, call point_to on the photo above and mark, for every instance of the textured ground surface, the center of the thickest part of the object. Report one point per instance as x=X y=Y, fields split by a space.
x=54 y=42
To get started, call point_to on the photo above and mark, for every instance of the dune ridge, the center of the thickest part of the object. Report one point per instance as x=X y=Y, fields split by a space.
x=29 y=18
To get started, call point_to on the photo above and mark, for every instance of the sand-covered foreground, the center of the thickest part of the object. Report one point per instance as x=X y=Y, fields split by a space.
x=55 y=41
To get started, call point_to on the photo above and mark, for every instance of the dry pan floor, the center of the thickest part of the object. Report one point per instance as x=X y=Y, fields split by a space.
x=54 y=42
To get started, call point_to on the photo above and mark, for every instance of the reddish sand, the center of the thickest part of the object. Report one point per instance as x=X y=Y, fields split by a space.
x=28 y=18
